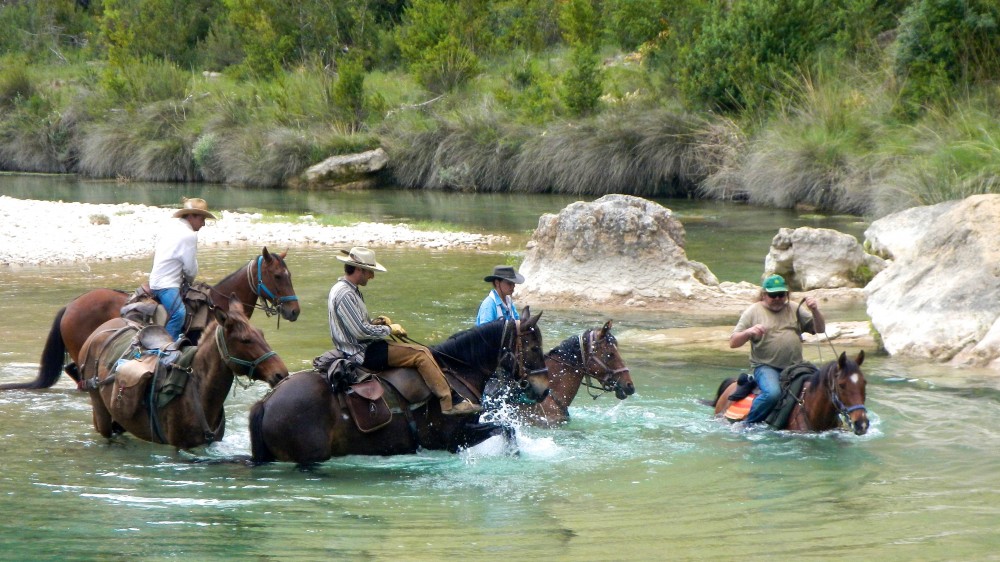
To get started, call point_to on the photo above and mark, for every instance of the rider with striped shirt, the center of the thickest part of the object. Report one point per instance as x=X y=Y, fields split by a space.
x=363 y=340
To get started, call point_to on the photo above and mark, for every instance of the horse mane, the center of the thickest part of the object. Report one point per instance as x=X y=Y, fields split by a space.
x=570 y=349
x=470 y=346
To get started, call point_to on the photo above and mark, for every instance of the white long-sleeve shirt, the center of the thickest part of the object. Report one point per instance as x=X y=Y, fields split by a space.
x=176 y=256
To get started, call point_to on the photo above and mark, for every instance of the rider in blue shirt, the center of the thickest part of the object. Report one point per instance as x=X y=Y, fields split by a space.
x=498 y=304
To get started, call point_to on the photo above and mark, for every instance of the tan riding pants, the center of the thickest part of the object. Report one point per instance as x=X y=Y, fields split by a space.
x=420 y=358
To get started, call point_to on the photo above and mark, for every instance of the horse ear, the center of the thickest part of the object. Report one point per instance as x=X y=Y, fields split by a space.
x=861 y=358
x=235 y=304
x=842 y=360
x=606 y=329
x=220 y=315
x=266 y=254
x=526 y=313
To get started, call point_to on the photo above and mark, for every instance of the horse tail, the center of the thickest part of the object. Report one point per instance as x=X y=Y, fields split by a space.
x=51 y=363
x=718 y=393
x=259 y=451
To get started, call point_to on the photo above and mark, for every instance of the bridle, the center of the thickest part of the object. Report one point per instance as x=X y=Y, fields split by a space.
x=514 y=354
x=233 y=362
x=608 y=378
x=843 y=411
x=268 y=301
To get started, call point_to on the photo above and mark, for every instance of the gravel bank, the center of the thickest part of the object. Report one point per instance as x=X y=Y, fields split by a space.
x=44 y=232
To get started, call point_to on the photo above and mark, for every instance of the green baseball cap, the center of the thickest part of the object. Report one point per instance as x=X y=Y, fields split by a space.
x=775 y=284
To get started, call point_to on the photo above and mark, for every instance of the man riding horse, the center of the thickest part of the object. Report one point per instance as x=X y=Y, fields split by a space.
x=175 y=261
x=363 y=341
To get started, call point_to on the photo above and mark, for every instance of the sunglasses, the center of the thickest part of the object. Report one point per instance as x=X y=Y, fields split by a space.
x=777 y=295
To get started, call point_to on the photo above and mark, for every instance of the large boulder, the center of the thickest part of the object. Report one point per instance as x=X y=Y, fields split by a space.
x=618 y=250
x=346 y=171
x=939 y=298
x=820 y=258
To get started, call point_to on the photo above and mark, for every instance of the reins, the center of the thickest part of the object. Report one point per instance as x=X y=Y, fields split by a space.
x=587 y=354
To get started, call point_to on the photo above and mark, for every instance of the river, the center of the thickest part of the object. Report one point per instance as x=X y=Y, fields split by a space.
x=649 y=478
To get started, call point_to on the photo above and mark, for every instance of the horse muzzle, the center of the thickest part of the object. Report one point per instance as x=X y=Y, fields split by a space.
x=860 y=425
x=536 y=385
x=289 y=310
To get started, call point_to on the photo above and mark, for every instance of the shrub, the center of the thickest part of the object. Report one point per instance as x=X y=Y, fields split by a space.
x=943 y=44
x=581 y=85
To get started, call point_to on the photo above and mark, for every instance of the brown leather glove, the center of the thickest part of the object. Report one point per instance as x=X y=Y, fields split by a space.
x=397 y=330
x=382 y=320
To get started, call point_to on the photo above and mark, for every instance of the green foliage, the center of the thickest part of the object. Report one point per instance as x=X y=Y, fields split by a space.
x=529 y=25
x=15 y=84
x=349 y=93
x=580 y=23
x=581 y=84
x=133 y=82
x=265 y=45
x=530 y=94
x=943 y=44
x=429 y=44
x=739 y=59
x=630 y=23
x=42 y=29
x=163 y=29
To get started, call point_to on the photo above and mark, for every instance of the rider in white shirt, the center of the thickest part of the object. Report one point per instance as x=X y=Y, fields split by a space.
x=175 y=260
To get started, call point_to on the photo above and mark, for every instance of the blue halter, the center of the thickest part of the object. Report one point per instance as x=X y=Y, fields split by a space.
x=264 y=293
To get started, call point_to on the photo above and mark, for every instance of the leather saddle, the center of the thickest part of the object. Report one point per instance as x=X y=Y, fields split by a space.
x=142 y=307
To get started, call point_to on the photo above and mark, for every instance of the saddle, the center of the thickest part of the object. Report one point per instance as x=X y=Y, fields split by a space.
x=791 y=379
x=146 y=367
x=360 y=392
x=143 y=308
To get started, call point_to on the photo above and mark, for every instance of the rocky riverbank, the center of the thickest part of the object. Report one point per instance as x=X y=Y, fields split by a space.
x=45 y=232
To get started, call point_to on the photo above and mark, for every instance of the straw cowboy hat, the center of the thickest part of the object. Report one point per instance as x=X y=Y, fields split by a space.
x=361 y=257
x=194 y=206
x=504 y=273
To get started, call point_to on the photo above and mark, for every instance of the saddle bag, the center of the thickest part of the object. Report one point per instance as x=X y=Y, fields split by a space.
x=367 y=405
x=132 y=379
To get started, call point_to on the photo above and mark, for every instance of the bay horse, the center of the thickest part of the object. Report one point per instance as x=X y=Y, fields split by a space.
x=230 y=347
x=265 y=282
x=579 y=361
x=304 y=421
x=833 y=396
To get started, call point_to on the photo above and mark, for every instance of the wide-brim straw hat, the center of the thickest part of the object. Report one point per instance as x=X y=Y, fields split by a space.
x=504 y=273
x=194 y=206
x=361 y=257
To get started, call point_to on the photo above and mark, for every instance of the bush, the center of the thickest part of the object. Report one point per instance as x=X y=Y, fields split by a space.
x=943 y=44
x=581 y=85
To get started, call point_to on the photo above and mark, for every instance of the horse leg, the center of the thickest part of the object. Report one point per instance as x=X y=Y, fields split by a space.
x=102 y=417
x=472 y=433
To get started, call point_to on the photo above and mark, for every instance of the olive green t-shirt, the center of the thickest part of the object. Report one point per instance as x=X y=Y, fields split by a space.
x=781 y=346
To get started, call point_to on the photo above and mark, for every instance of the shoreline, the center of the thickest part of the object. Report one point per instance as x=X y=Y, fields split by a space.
x=38 y=233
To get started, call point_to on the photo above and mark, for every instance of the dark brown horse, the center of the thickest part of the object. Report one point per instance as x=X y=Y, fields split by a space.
x=230 y=347
x=265 y=282
x=832 y=397
x=304 y=421
x=579 y=361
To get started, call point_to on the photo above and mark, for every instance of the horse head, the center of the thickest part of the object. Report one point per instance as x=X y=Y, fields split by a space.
x=274 y=285
x=601 y=358
x=847 y=392
x=530 y=370
x=243 y=347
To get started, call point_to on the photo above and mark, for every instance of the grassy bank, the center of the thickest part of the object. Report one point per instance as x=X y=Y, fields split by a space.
x=575 y=112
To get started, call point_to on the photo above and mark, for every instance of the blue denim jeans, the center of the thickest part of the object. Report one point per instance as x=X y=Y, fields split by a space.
x=767 y=378
x=171 y=300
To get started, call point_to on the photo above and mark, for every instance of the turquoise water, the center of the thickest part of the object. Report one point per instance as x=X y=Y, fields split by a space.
x=649 y=478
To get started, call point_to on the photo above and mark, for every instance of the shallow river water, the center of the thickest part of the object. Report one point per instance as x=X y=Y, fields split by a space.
x=649 y=478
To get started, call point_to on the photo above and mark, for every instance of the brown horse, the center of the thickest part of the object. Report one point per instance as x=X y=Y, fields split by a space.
x=832 y=397
x=575 y=362
x=304 y=421
x=231 y=347
x=265 y=283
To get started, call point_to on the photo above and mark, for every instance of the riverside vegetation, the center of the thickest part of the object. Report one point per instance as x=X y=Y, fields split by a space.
x=852 y=106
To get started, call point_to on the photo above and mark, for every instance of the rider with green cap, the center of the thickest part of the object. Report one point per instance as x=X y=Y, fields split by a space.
x=774 y=329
